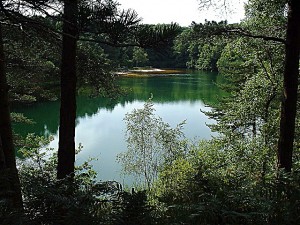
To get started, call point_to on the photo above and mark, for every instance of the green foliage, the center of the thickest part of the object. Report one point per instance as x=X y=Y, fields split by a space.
x=140 y=57
x=51 y=201
x=82 y=201
x=153 y=36
x=32 y=65
x=209 y=55
x=209 y=184
x=20 y=118
x=186 y=49
x=231 y=179
x=199 y=52
x=173 y=181
x=150 y=144
x=255 y=84
x=95 y=71
x=234 y=179
x=266 y=17
x=134 y=209
x=216 y=185
x=209 y=29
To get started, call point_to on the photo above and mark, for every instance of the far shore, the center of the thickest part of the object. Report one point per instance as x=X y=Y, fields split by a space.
x=145 y=72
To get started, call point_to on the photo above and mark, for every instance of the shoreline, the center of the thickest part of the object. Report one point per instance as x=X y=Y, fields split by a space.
x=150 y=72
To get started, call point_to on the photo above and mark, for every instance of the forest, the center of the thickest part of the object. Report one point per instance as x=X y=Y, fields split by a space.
x=248 y=174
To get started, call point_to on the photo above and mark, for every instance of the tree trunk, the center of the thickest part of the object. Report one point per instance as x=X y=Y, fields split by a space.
x=289 y=101
x=66 y=150
x=9 y=179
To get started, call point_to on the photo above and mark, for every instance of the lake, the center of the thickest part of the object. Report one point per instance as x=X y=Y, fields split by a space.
x=100 y=127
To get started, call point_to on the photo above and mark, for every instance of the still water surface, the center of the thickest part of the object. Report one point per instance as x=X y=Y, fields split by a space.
x=100 y=127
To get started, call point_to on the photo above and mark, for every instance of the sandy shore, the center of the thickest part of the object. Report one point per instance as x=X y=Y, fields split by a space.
x=150 y=72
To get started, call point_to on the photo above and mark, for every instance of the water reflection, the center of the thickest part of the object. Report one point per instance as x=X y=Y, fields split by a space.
x=100 y=126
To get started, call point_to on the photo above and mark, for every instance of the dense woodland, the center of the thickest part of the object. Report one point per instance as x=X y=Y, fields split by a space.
x=248 y=174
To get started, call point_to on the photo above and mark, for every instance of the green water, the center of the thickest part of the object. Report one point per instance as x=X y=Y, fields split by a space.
x=100 y=127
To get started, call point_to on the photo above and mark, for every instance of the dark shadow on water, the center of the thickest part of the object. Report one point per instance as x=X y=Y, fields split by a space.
x=191 y=87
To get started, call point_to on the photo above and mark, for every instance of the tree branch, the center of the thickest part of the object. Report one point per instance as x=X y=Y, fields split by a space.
x=265 y=38
x=212 y=28
x=110 y=43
